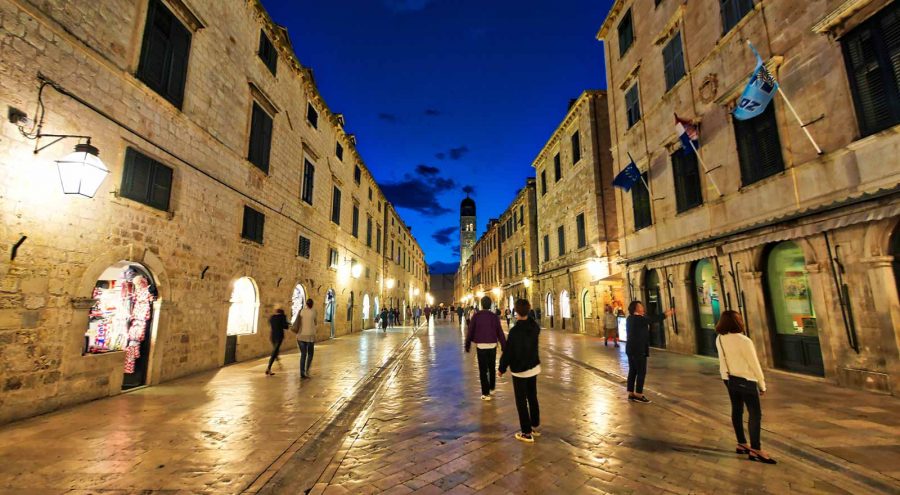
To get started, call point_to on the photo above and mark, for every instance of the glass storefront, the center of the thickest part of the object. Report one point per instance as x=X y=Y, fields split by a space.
x=708 y=305
x=244 y=311
x=653 y=306
x=298 y=301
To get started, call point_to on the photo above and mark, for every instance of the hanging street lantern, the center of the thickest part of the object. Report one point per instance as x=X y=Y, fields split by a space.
x=82 y=172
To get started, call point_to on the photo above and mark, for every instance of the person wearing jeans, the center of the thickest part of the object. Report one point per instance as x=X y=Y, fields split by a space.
x=305 y=326
x=521 y=357
x=637 y=348
x=485 y=331
x=278 y=324
x=743 y=377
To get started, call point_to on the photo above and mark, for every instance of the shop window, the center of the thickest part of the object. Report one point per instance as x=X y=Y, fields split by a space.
x=254 y=223
x=640 y=204
x=121 y=318
x=871 y=52
x=329 y=306
x=759 y=147
x=626 y=33
x=549 y=301
x=312 y=116
x=576 y=147
x=632 y=106
x=336 y=205
x=561 y=239
x=708 y=304
x=543 y=182
x=365 y=308
x=354 y=230
x=557 y=168
x=791 y=300
x=243 y=313
x=688 y=193
x=298 y=301
x=579 y=226
x=260 y=138
x=146 y=181
x=267 y=52
x=673 y=61
x=304 y=247
x=309 y=176
x=164 y=53
x=546 y=248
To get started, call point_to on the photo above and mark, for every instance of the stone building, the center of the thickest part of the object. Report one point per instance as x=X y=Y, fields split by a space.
x=518 y=246
x=576 y=220
x=484 y=266
x=800 y=242
x=442 y=288
x=232 y=187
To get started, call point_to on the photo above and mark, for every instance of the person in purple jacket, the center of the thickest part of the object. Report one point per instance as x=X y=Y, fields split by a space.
x=485 y=331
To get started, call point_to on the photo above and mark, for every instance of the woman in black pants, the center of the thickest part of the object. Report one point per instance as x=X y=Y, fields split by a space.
x=637 y=348
x=744 y=379
x=521 y=357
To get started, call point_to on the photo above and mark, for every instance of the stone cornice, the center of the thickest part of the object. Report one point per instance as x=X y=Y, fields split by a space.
x=671 y=26
x=570 y=116
x=614 y=12
x=835 y=20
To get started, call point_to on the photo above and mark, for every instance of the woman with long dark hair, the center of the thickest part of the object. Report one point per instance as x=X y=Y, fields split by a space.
x=744 y=379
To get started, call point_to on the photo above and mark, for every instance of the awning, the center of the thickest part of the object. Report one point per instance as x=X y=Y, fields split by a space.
x=688 y=257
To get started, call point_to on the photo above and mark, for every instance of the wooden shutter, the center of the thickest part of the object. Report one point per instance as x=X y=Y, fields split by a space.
x=161 y=187
x=164 y=53
x=582 y=238
x=686 y=173
x=180 y=47
x=759 y=146
x=576 y=147
x=640 y=203
x=260 y=138
x=136 y=177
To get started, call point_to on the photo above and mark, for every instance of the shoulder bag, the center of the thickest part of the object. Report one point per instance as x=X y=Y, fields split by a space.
x=737 y=383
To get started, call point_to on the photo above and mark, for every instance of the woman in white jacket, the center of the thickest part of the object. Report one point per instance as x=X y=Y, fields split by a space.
x=744 y=379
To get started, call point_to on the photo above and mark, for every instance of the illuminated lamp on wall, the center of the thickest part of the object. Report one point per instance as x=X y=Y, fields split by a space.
x=82 y=172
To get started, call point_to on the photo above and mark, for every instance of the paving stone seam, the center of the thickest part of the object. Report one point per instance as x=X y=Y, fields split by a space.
x=272 y=480
x=850 y=472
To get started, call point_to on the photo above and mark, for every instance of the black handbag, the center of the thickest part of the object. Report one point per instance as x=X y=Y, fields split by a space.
x=738 y=384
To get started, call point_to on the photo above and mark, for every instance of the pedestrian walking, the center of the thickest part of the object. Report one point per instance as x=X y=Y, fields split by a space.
x=384 y=320
x=637 y=348
x=452 y=310
x=485 y=331
x=391 y=317
x=610 y=326
x=278 y=323
x=305 y=326
x=427 y=314
x=521 y=357
x=743 y=377
x=459 y=314
x=507 y=314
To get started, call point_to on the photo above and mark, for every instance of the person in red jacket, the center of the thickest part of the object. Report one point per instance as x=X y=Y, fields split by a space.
x=485 y=331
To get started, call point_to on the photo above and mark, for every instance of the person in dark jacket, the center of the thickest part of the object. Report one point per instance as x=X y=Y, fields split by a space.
x=637 y=348
x=485 y=331
x=521 y=357
x=278 y=323
x=384 y=319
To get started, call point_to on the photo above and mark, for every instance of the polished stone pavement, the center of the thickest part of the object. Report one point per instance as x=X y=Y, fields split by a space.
x=400 y=413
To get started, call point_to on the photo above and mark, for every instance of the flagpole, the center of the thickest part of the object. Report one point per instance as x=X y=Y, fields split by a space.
x=705 y=169
x=802 y=125
x=642 y=174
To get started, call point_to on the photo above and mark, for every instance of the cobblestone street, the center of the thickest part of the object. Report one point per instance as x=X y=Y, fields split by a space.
x=401 y=413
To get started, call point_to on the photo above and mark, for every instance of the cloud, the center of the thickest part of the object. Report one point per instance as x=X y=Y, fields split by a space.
x=455 y=249
x=428 y=170
x=419 y=193
x=401 y=6
x=443 y=267
x=431 y=112
x=468 y=189
x=442 y=236
x=440 y=156
x=453 y=153
x=388 y=117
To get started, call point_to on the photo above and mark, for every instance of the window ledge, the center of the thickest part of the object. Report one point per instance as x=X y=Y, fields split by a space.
x=127 y=202
x=763 y=181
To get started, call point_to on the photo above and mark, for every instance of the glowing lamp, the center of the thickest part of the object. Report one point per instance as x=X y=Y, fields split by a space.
x=526 y=282
x=416 y=292
x=497 y=291
x=82 y=172
x=479 y=294
x=390 y=283
x=597 y=269
x=356 y=270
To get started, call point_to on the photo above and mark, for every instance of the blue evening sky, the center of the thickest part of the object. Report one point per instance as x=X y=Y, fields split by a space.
x=444 y=94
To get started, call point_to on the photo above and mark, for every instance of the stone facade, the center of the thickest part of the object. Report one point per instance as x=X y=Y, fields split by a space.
x=442 y=288
x=576 y=220
x=193 y=250
x=835 y=312
x=518 y=246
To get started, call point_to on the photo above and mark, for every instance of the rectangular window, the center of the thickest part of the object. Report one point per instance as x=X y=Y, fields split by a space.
x=357 y=174
x=733 y=11
x=336 y=205
x=368 y=231
x=312 y=116
x=253 y=225
x=576 y=148
x=339 y=151
x=304 y=247
x=546 y=248
x=164 y=53
x=146 y=181
x=579 y=225
x=309 y=177
x=521 y=215
x=333 y=258
x=640 y=203
x=543 y=182
x=561 y=239
x=517 y=264
x=626 y=33
x=370 y=194
x=523 y=259
x=673 y=61
x=871 y=52
x=686 y=173
x=557 y=167
x=759 y=147
x=633 y=106
x=355 y=223
x=260 y=138
x=267 y=52
x=378 y=238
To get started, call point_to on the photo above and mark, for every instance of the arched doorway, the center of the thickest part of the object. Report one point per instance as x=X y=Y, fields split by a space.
x=587 y=308
x=365 y=311
x=121 y=318
x=243 y=315
x=894 y=250
x=377 y=307
x=550 y=308
x=708 y=306
x=350 y=305
x=511 y=304
x=654 y=308
x=793 y=316
x=298 y=301
x=329 y=310
x=565 y=309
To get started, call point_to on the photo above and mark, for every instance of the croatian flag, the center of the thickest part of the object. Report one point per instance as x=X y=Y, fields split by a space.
x=687 y=132
x=628 y=177
x=759 y=91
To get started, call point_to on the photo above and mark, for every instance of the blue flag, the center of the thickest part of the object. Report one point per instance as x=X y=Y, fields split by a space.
x=628 y=177
x=758 y=93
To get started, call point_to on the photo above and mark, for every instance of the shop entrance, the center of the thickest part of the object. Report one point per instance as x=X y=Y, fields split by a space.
x=365 y=311
x=795 y=329
x=565 y=309
x=550 y=307
x=587 y=309
x=243 y=315
x=122 y=317
x=298 y=301
x=329 y=310
x=654 y=309
x=708 y=306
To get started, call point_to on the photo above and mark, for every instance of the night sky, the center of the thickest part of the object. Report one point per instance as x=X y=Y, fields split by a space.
x=448 y=95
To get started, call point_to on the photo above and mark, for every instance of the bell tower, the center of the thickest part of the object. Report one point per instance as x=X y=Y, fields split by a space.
x=466 y=228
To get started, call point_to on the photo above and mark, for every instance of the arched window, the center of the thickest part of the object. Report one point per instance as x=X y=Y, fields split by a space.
x=244 y=311
x=587 y=307
x=549 y=304
x=329 y=305
x=365 y=308
x=298 y=301
x=708 y=305
x=565 y=308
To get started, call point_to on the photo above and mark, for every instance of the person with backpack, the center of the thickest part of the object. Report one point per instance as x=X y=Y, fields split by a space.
x=485 y=332
x=522 y=360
